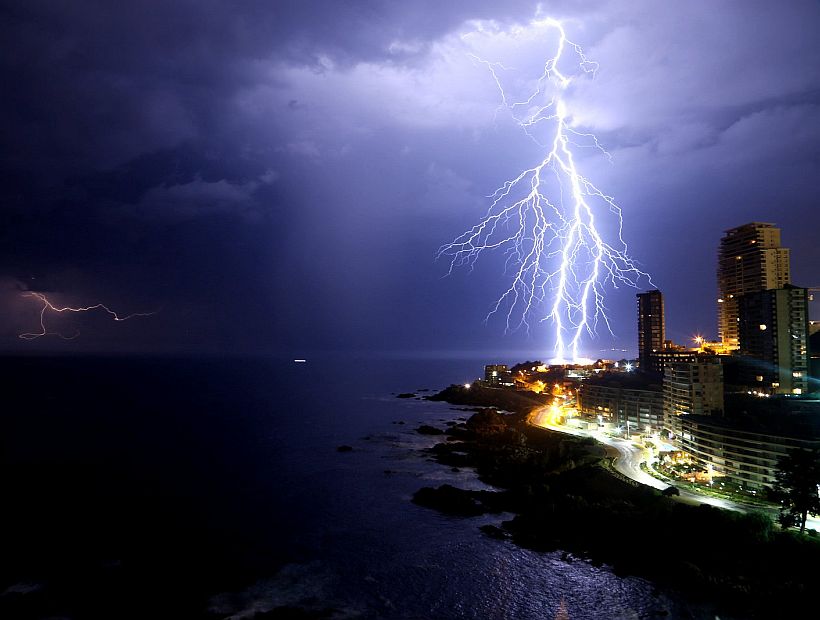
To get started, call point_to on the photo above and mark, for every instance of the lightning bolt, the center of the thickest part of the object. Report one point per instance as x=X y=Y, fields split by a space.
x=47 y=305
x=558 y=259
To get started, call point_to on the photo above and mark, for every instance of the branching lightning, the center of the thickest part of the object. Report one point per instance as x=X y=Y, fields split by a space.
x=48 y=306
x=559 y=262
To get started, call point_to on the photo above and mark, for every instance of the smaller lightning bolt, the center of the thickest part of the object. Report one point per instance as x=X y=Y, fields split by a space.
x=47 y=305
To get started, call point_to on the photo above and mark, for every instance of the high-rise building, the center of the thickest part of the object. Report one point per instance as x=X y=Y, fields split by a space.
x=774 y=340
x=651 y=327
x=692 y=388
x=750 y=260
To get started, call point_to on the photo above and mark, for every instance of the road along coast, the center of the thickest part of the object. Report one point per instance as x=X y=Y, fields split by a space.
x=565 y=496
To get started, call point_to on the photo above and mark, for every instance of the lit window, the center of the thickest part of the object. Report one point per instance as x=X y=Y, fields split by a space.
x=797 y=374
x=762 y=327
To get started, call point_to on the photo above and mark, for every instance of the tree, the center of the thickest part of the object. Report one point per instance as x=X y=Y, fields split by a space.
x=798 y=481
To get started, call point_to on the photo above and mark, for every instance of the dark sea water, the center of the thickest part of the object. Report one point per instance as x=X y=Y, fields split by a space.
x=174 y=488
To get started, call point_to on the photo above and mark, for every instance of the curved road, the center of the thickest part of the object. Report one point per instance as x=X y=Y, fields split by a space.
x=628 y=462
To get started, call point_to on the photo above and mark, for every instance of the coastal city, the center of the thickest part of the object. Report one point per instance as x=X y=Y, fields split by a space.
x=372 y=310
x=713 y=419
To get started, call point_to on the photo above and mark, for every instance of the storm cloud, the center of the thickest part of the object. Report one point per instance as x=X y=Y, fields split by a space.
x=277 y=176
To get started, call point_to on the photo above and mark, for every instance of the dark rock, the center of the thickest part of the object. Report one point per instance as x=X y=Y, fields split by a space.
x=487 y=422
x=494 y=531
x=406 y=395
x=290 y=612
x=449 y=499
x=344 y=449
x=425 y=429
x=506 y=399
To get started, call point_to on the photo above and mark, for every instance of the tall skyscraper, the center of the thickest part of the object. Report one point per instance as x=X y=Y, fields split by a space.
x=750 y=260
x=774 y=340
x=651 y=327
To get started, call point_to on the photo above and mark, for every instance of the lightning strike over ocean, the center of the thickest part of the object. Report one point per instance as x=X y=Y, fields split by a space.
x=48 y=306
x=544 y=219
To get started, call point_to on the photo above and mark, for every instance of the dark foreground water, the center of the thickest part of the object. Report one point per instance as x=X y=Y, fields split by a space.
x=169 y=488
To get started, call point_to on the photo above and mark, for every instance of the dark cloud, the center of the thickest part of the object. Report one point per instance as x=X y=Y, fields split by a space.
x=279 y=175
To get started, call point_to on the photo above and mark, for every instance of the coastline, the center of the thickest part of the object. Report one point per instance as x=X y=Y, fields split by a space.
x=564 y=498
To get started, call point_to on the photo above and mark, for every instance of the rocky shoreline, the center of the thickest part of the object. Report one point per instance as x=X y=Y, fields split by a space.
x=564 y=498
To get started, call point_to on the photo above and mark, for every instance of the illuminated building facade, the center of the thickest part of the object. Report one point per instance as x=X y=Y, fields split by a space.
x=496 y=375
x=628 y=401
x=774 y=340
x=692 y=388
x=599 y=399
x=814 y=360
x=651 y=328
x=743 y=456
x=750 y=260
x=671 y=354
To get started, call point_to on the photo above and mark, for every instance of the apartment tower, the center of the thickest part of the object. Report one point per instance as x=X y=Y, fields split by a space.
x=750 y=260
x=774 y=340
x=651 y=328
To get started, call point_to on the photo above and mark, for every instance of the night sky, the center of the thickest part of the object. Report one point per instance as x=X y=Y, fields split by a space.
x=277 y=176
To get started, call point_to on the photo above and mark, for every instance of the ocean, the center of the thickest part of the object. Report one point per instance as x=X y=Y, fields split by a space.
x=214 y=488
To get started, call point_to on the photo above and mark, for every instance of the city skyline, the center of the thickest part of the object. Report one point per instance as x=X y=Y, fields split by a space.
x=279 y=180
